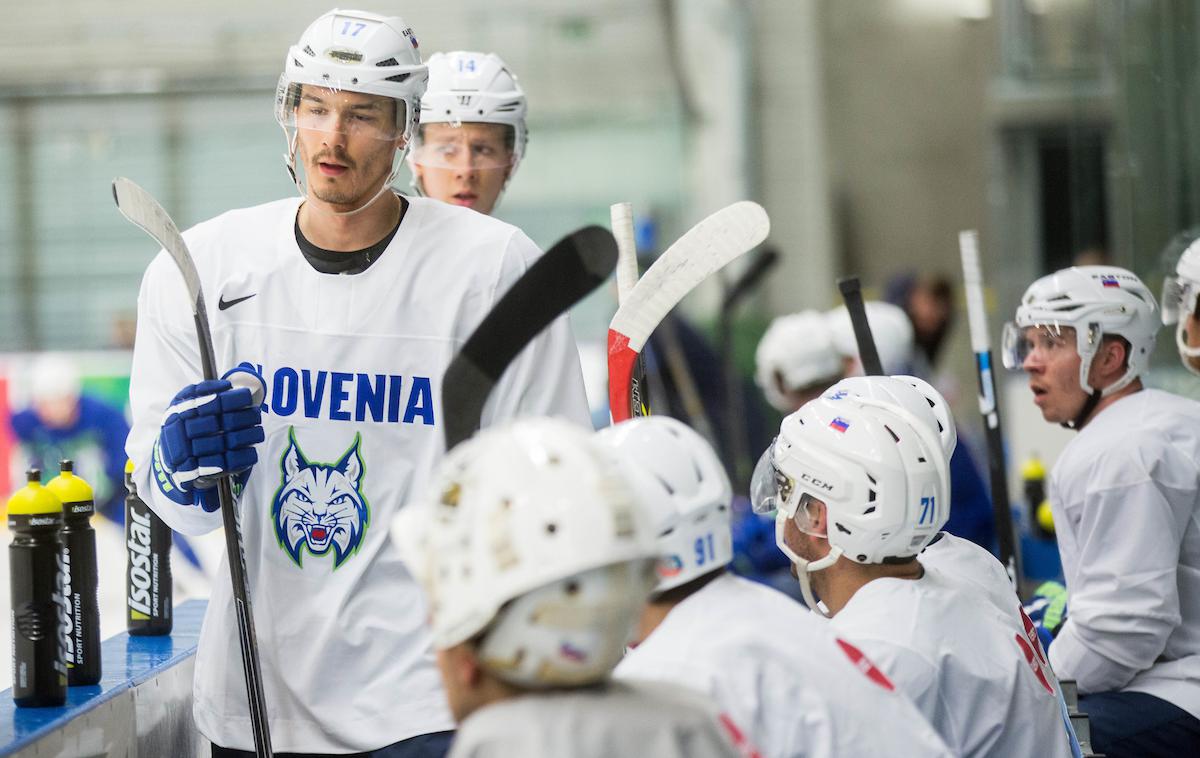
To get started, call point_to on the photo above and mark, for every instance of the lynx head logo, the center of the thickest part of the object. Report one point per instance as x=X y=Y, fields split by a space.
x=320 y=506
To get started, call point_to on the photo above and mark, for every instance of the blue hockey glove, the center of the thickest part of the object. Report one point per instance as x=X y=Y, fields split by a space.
x=209 y=431
x=1047 y=609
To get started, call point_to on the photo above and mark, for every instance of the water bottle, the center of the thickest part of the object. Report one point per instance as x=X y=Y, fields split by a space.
x=148 y=601
x=1033 y=478
x=81 y=576
x=38 y=611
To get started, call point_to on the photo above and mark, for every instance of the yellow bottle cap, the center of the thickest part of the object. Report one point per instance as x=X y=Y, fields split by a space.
x=1033 y=469
x=33 y=498
x=1045 y=516
x=70 y=488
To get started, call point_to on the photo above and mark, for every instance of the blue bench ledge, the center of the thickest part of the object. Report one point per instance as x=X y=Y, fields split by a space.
x=126 y=662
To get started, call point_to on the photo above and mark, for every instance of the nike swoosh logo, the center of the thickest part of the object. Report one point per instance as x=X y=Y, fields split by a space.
x=222 y=303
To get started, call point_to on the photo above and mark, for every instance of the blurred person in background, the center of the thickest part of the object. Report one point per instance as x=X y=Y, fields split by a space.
x=1181 y=306
x=64 y=421
x=928 y=301
x=472 y=133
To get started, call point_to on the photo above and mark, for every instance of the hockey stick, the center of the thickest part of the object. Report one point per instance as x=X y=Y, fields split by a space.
x=621 y=217
x=703 y=250
x=867 y=354
x=739 y=465
x=968 y=244
x=570 y=269
x=142 y=209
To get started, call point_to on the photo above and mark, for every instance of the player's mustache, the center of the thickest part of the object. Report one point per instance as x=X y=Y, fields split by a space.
x=336 y=155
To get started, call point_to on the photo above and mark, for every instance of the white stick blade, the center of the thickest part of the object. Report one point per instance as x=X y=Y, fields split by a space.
x=140 y=207
x=708 y=246
x=621 y=215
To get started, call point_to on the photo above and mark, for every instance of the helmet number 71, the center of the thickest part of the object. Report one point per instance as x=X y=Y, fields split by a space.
x=928 y=509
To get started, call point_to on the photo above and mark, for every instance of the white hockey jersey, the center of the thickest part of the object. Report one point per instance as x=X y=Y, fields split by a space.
x=1126 y=500
x=973 y=567
x=776 y=670
x=966 y=664
x=617 y=719
x=353 y=365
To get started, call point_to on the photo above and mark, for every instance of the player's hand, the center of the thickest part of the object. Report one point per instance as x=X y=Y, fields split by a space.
x=1047 y=609
x=209 y=431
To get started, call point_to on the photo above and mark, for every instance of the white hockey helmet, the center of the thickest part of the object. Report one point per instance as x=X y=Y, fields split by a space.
x=795 y=353
x=683 y=487
x=881 y=473
x=890 y=327
x=1181 y=299
x=530 y=539
x=1095 y=301
x=353 y=51
x=471 y=87
x=914 y=394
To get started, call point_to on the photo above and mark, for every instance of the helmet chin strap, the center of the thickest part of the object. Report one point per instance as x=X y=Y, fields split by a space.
x=805 y=567
x=1089 y=405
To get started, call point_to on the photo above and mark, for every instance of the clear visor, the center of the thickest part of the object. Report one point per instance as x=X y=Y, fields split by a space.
x=1018 y=342
x=770 y=488
x=465 y=145
x=1179 y=299
x=330 y=109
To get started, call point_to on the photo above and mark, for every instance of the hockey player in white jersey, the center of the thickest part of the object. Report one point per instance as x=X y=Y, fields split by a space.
x=1181 y=306
x=860 y=487
x=961 y=560
x=1125 y=494
x=766 y=661
x=347 y=303
x=472 y=134
x=537 y=558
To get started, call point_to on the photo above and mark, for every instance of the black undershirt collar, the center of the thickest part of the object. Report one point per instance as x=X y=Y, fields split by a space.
x=338 y=262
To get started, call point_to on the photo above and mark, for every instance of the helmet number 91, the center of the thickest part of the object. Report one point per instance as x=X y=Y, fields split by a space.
x=704 y=549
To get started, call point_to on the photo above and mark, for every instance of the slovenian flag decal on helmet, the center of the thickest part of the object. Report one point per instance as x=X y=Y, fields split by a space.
x=839 y=424
x=669 y=566
x=1109 y=281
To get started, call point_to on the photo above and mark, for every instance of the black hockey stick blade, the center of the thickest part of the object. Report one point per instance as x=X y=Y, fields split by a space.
x=852 y=293
x=750 y=278
x=569 y=270
x=140 y=208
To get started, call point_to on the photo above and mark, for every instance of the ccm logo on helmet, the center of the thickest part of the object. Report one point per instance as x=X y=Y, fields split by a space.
x=814 y=481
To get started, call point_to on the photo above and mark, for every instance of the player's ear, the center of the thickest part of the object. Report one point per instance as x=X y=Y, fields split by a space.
x=1112 y=355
